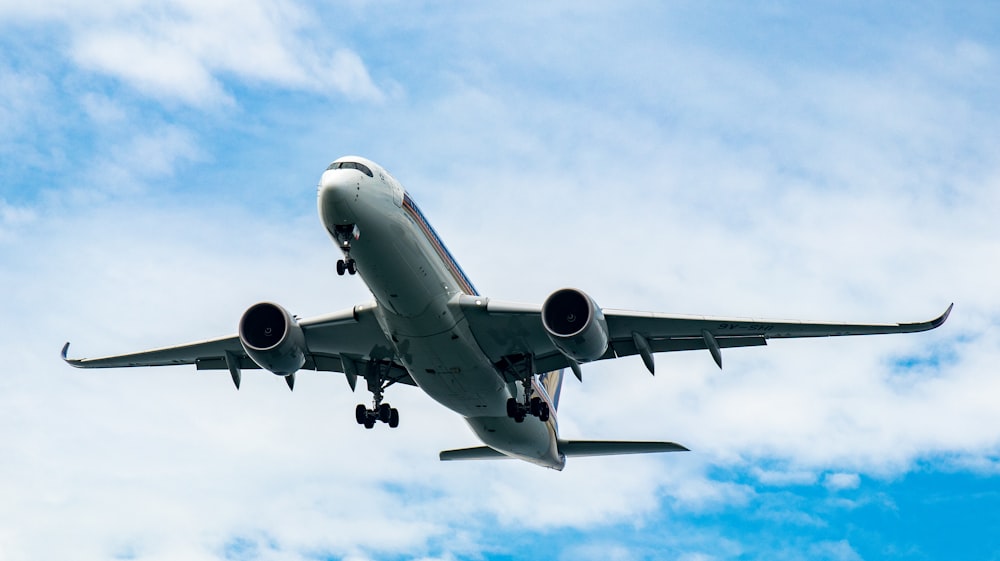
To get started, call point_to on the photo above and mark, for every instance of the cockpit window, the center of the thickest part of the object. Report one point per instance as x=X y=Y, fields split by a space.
x=351 y=165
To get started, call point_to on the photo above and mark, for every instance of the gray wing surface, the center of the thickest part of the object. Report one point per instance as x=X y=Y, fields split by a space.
x=346 y=341
x=506 y=329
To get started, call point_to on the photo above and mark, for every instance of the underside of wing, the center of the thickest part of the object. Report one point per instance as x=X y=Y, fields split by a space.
x=508 y=330
x=350 y=341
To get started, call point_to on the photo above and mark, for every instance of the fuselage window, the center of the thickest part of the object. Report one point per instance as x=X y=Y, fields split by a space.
x=351 y=165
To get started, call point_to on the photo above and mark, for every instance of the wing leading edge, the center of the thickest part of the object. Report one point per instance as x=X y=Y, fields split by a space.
x=506 y=329
x=347 y=341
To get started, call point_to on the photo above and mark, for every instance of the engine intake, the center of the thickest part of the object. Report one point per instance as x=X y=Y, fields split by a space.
x=575 y=324
x=273 y=338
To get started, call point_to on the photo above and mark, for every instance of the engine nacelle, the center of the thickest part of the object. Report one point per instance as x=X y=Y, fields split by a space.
x=575 y=324
x=273 y=338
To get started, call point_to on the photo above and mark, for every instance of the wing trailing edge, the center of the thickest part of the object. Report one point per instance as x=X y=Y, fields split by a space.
x=571 y=448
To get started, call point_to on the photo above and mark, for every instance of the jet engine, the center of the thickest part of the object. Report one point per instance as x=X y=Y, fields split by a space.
x=273 y=338
x=575 y=324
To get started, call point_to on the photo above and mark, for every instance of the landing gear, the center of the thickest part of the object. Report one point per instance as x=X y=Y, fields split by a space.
x=346 y=266
x=533 y=405
x=382 y=412
x=345 y=234
x=377 y=383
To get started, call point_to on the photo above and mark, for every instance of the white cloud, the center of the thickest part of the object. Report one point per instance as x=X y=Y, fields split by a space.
x=13 y=218
x=154 y=66
x=185 y=51
x=841 y=481
x=833 y=550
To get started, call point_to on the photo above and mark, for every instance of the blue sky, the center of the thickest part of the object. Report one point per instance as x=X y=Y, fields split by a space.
x=829 y=161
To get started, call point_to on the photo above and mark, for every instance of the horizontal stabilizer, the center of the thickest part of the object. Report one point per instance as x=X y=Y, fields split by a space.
x=477 y=453
x=615 y=447
x=570 y=448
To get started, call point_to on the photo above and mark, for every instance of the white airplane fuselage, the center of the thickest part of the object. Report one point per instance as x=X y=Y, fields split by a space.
x=417 y=285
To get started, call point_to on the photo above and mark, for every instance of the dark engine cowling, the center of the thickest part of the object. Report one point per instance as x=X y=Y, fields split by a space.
x=273 y=339
x=575 y=324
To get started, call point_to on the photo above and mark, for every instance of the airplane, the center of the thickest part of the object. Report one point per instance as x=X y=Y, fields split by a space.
x=498 y=364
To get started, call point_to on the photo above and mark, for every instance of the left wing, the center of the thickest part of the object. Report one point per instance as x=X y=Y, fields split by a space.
x=349 y=341
x=506 y=329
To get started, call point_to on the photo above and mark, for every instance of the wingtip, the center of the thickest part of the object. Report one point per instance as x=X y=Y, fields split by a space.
x=75 y=363
x=943 y=318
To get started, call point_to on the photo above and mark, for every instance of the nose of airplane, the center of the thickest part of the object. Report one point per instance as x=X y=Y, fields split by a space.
x=331 y=181
x=335 y=193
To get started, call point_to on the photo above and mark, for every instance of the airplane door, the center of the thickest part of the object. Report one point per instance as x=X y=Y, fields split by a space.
x=395 y=187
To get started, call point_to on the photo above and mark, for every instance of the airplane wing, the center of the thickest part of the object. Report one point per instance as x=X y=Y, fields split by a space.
x=506 y=329
x=349 y=341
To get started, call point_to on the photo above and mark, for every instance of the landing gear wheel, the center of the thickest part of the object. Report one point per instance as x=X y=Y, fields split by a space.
x=519 y=417
x=393 y=418
x=534 y=406
x=384 y=412
x=369 y=422
x=544 y=413
x=361 y=413
x=341 y=267
x=512 y=407
x=352 y=268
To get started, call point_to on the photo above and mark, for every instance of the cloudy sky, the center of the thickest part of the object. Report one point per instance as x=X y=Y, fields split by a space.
x=158 y=165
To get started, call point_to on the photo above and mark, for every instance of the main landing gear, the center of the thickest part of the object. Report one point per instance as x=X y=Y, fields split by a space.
x=533 y=405
x=377 y=383
x=381 y=412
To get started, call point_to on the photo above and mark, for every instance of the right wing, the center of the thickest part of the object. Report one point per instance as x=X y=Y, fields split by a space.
x=349 y=341
x=508 y=329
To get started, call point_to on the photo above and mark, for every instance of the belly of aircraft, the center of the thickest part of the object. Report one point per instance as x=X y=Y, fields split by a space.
x=451 y=370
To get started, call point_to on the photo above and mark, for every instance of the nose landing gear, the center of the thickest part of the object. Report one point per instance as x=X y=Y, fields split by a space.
x=344 y=234
x=346 y=266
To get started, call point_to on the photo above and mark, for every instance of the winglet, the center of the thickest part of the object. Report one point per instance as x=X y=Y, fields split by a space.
x=928 y=325
x=943 y=318
x=75 y=363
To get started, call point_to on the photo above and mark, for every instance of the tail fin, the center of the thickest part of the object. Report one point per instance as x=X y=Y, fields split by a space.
x=552 y=382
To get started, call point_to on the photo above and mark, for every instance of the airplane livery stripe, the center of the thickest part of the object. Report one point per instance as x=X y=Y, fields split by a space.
x=459 y=275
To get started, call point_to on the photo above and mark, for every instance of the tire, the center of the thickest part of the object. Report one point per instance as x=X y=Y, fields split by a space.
x=384 y=412
x=369 y=422
x=393 y=418
x=341 y=268
x=519 y=418
x=544 y=413
x=536 y=406
x=361 y=413
x=512 y=408
x=351 y=267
